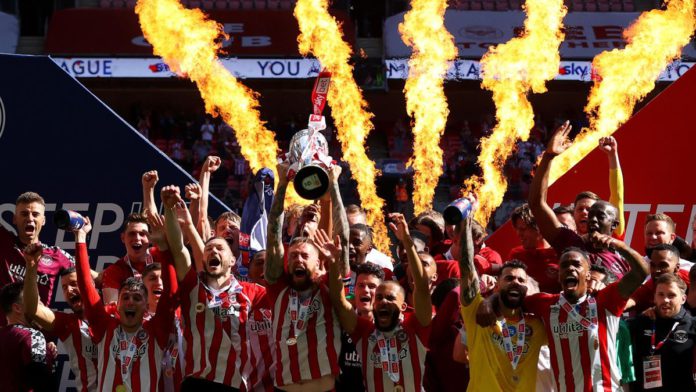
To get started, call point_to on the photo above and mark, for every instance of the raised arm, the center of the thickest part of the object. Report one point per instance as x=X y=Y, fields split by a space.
x=211 y=164
x=421 y=290
x=193 y=194
x=639 y=269
x=149 y=181
x=92 y=304
x=340 y=219
x=609 y=146
x=274 y=245
x=469 y=278
x=166 y=306
x=545 y=218
x=171 y=199
x=330 y=253
x=32 y=306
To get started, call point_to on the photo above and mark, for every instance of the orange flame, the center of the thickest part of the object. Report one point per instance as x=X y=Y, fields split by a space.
x=321 y=35
x=433 y=48
x=188 y=42
x=627 y=75
x=510 y=71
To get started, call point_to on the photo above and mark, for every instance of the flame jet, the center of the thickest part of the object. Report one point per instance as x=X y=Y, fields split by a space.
x=321 y=36
x=188 y=42
x=627 y=75
x=510 y=71
x=433 y=46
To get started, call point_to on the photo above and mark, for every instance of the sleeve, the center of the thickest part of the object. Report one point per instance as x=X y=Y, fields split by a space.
x=565 y=239
x=643 y=297
x=189 y=282
x=111 y=277
x=94 y=309
x=164 y=315
x=61 y=325
x=482 y=265
x=25 y=356
x=469 y=317
x=273 y=290
x=260 y=299
x=616 y=187
x=610 y=299
x=65 y=259
x=447 y=269
x=491 y=255
x=363 y=328
x=412 y=324
x=537 y=303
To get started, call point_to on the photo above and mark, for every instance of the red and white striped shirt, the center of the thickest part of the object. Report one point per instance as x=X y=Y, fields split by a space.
x=583 y=359
x=260 y=369
x=82 y=351
x=315 y=352
x=215 y=328
x=150 y=340
x=411 y=339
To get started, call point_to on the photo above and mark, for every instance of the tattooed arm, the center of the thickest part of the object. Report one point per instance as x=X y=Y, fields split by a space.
x=340 y=219
x=274 y=244
x=469 y=278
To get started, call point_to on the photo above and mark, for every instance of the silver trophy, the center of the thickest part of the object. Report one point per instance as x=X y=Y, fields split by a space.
x=309 y=160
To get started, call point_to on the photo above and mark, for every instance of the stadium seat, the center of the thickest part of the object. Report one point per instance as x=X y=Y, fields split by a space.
x=220 y=4
x=247 y=4
x=476 y=6
x=286 y=4
x=118 y=4
x=578 y=5
x=234 y=4
x=628 y=6
x=260 y=4
x=502 y=5
x=131 y=3
x=194 y=4
x=105 y=3
x=207 y=4
x=515 y=5
x=590 y=6
x=273 y=4
x=488 y=5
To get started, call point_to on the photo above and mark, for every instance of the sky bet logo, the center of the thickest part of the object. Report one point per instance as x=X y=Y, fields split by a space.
x=159 y=67
x=574 y=69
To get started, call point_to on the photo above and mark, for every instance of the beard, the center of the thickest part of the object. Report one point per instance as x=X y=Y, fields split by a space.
x=392 y=324
x=301 y=285
x=513 y=303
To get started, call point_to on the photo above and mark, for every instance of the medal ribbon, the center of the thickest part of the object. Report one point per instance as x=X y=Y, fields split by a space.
x=389 y=356
x=514 y=356
x=126 y=353
x=216 y=297
x=589 y=324
x=299 y=312
x=136 y=274
x=653 y=347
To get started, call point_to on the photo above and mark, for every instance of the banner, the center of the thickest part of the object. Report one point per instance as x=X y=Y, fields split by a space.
x=9 y=33
x=656 y=154
x=94 y=31
x=587 y=33
x=102 y=67
x=59 y=140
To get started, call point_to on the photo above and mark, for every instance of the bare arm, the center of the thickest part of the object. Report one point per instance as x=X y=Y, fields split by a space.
x=149 y=180
x=191 y=234
x=274 y=244
x=330 y=253
x=182 y=259
x=32 y=306
x=639 y=269
x=545 y=217
x=469 y=278
x=211 y=164
x=421 y=291
x=193 y=194
x=340 y=219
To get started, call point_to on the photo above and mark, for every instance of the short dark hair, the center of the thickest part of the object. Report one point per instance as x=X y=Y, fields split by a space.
x=432 y=220
x=586 y=195
x=10 y=294
x=669 y=279
x=30 y=197
x=562 y=209
x=668 y=247
x=229 y=215
x=67 y=271
x=602 y=270
x=364 y=229
x=151 y=268
x=514 y=264
x=135 y=217
x=302 y=240
x=583 y=252
x=442 y=289
x=369 y=268
x=133 y=284
x=524 y=213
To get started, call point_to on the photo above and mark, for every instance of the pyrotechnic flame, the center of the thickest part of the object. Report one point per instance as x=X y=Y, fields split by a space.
x=510 y=71
x=433 y=46
x=321 y=36
x=628 y=75
x=188 y=42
